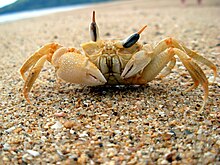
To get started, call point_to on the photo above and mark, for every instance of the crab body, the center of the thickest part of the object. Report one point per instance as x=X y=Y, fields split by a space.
x=116 y=62
x=110 y=59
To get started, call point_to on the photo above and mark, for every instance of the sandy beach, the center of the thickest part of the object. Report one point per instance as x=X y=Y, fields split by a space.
x=71 y=124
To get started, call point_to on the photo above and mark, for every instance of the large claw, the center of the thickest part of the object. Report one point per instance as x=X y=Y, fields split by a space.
x=77 y=68
x=136 y=64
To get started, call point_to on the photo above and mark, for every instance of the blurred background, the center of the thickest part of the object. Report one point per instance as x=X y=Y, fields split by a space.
x=17 y=9
x=23 y=5
x=11 y=10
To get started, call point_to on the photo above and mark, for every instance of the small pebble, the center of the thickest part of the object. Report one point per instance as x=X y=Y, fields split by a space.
x=57 y=125
x=6 y=146
x=69 y=124
x=27 y=157
x=61 y=114
x=17 y=130
x=84 y=134
x=10 y=129
x=33 y=153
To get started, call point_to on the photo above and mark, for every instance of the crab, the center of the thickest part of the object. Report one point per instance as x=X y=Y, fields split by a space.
x=116 y=62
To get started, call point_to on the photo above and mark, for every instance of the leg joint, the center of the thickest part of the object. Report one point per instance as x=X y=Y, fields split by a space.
x=169 y=41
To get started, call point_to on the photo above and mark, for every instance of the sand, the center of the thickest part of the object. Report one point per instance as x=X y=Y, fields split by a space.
x=70 y=124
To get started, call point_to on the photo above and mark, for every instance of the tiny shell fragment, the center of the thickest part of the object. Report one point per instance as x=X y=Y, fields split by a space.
x=33 y=153
x=57 y=125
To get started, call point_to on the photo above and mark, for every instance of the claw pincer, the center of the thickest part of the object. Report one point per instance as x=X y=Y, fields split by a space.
x=76 y=68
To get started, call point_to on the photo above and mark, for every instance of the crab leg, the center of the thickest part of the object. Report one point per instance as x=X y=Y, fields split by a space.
x=195 y=71
x=201 y=59
x=32 y=76
x=170 y=42
x=158 y=62
x=45 y=50
x=161 y=60
x=167 y=70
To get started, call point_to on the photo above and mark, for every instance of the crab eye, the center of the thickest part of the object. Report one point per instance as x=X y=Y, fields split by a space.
x=132 y=39
x=94 y=31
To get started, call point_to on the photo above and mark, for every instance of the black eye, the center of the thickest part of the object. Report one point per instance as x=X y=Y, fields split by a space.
x=132 y=39
x=94 y=30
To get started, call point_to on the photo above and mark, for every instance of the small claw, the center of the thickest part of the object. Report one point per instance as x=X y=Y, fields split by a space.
x=130 y=69
x=136 y=64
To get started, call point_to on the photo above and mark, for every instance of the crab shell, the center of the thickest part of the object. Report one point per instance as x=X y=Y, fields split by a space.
x=111 y=58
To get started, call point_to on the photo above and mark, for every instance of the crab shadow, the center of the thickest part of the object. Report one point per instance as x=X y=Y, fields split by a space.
x=114 y=89
x=124 y=90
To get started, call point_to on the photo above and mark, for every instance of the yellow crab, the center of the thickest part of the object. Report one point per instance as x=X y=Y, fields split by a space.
x=115 y=62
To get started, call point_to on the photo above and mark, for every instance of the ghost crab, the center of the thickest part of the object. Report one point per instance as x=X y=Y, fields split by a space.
x=115 y=62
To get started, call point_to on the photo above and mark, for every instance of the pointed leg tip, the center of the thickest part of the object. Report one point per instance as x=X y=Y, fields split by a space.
x=27 y=99
x=22 y=74
x=25 y=93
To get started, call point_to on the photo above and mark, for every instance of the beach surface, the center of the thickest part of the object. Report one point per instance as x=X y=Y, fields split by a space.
x=70 y=124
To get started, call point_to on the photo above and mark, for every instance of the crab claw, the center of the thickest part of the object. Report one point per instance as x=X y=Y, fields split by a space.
x=93 y=76
x=77 y=68
x=136 y=64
